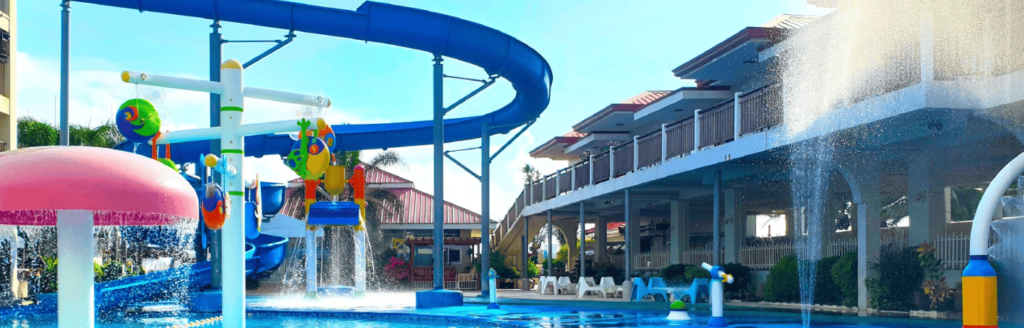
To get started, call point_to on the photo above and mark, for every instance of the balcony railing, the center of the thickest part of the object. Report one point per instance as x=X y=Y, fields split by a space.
x=716 y=125
x=745 y=114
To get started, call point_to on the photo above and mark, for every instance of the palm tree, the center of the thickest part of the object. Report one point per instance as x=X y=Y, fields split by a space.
x=33 y=133
x=530 y=173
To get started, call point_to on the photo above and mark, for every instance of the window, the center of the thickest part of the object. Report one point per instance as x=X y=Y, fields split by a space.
x=453 y=255
x=424 y=257
x=452 y=233
x=770 y=225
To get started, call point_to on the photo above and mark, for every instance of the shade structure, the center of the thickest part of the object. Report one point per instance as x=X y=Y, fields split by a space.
x=120 y=188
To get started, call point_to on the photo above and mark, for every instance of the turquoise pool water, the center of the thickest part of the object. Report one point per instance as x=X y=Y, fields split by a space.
x=477 y=316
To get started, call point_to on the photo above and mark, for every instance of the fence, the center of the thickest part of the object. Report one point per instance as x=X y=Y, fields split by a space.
x=650 y=261
x=623 y=159
x=716 y=125
x=565 y=180
x=601 y=173
x=764 y=257
x=761 y=109
x=582 y=175
x=649 y=150
x=696 y=256
x=839 y=247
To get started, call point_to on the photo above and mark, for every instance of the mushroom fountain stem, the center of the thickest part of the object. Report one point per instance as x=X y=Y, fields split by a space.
x=75 y=273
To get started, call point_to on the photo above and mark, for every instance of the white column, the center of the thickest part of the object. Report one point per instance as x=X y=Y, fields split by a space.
x=736 y=115
x=75 y=301
x=572 y=178
x=611 y=162
x=928 y=199
x=233 y=233
x=678 y=210
x=696 y=129
x=558 y=182
x=601 y=231
x=869 y=247
x=544 y=188
x=664 y=144
x=311 y=251
x=636 y=152
x=734 y=225
x=591 y=164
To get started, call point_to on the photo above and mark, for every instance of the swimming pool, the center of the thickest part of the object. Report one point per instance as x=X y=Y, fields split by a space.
x=479 y=316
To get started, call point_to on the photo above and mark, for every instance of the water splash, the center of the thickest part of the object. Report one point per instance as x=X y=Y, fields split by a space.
x=1008 y=258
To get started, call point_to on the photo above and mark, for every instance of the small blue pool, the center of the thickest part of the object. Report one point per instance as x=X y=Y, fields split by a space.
x=479 y=316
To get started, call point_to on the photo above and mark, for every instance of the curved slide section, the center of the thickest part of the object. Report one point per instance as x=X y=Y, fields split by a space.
x=495 y=52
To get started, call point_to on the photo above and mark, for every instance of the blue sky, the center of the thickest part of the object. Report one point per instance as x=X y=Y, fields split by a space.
x=601 y=51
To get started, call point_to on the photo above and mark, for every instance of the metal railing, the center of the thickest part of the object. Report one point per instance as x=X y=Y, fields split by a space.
x=601 y=168
x=623 y=159
x=757 y=110
x=716 y=125
x=582 y=175
x=649 y=150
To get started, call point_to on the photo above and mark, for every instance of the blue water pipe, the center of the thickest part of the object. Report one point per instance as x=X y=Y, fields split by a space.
x=492 y=276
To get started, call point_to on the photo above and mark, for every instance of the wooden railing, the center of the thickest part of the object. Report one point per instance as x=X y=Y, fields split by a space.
x=623 y=159
x=565 y=180
x=582 y=175
x=761 y=109
x=757 y=110
x=716 y=125
x=549 y=186
x=601 y=167
x=649 y=150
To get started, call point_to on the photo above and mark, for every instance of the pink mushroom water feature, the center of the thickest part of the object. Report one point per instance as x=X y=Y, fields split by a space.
x=76 y=188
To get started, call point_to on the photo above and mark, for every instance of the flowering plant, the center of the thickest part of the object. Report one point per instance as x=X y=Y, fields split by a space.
x=396 y=269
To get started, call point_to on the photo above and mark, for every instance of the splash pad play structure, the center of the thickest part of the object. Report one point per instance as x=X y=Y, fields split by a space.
x=498 y=54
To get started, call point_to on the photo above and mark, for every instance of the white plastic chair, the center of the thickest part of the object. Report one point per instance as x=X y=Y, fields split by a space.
x=548 y=280
x=564 y=284
x=588 y=285
x=609 y=287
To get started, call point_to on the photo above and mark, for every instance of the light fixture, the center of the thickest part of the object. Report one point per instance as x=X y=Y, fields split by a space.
x=619 y=124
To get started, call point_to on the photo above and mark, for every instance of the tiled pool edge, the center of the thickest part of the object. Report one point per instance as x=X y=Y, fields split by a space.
x=399 y=317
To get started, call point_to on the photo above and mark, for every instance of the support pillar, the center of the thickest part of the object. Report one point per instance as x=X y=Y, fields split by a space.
x=734 y=224
x=601 y=236
x=716 y=241
x=216 y=45
x=75 y=302
x=928 y=205
x=678 y=211
x=65 y=58
x=864 y=186
x=583 y=243
x=630 y=236
x=439 y=174
x=525 y=254
x=550 y=254
x=14 y=263
x=233 y=233
x=485 y=209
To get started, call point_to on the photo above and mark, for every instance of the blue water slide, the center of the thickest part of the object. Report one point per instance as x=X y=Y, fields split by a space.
x=495 y=52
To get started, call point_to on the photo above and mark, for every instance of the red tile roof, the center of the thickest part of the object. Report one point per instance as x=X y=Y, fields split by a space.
x=646 y=97
x=630 y=105
x=419 y=209
x=379 y=176
x=610 y=226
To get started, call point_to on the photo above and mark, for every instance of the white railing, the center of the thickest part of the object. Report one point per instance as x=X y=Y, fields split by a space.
x=841 y=246
x=764 y=257
x=650 y=261
x=618 y=260
x=899 y=240
x=696 y=256
x=954 y=249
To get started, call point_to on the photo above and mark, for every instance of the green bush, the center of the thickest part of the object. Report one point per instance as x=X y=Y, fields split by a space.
x=741 y=277
x=694 y=272
x=674 y=275
x=898 y=274
x=500 y=266
x=844 y=275
x=825 y=289
x=49 y=276
x=603 y=269
x=783 y=284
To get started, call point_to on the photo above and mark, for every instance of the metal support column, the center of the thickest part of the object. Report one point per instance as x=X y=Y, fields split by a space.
x=629 y=234
x=550 y=253
x=216 y=43
x=716 y=251
x=65 y=55
x=439 y=174
x=485 y=208
x=583 y=244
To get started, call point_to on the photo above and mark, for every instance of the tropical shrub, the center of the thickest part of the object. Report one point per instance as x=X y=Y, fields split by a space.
x=825 y=289
x=844 y=275
x=674 y=275
x=940 y=295
x=49 y=276
x=604 y=268
x=694 y=272
x=898 y=274
x=783 y=283
x=741 y=277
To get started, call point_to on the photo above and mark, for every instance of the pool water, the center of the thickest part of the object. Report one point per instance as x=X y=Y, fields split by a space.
x=477 y=316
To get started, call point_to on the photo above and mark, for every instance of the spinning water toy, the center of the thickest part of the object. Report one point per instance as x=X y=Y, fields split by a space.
x=718 y=276
x=138 y=121
x=677 y=312
x=214 y=207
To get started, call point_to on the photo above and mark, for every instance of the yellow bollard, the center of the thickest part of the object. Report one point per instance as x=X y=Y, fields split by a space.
x=979 y=291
